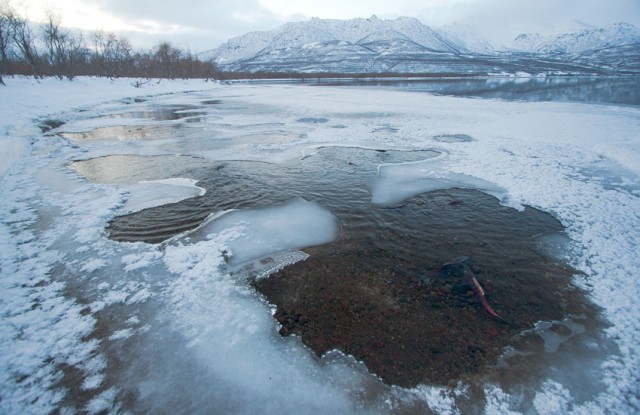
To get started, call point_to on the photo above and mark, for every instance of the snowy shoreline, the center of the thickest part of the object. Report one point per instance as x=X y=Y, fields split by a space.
x=579 y=162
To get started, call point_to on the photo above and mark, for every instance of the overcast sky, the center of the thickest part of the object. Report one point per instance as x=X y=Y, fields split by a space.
x=204 y=24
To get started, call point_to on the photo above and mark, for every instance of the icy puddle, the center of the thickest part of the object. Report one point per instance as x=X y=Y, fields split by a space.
x=385 y=290
x=282 y=249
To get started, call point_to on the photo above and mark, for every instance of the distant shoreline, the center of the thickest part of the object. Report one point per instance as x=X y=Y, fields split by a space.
x=289 y=76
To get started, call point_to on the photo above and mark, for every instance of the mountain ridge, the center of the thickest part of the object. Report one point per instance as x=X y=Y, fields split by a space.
x=405 y=45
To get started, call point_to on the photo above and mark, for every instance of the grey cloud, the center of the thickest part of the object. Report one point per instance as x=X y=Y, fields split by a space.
x=596 y=12
x=207 y=23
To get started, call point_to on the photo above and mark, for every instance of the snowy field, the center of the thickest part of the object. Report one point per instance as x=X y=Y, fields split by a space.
x=90 y=324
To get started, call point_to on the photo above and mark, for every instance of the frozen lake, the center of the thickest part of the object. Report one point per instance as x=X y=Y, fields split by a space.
x=281 y=249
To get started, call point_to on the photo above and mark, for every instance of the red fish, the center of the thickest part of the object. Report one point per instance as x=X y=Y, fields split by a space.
x=479 y=292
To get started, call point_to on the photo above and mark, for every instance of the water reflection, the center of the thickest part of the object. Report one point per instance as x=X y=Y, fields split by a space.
x=601 y=90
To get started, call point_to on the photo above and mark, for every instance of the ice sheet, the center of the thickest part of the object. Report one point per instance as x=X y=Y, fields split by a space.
x=152 y=193
x=398 y=182
x=293 y=225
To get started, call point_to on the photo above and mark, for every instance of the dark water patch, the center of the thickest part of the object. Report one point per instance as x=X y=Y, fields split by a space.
x=336 y=178
x=389 y=129
x=454 y=138
x=153 y=226
x=229 y=185
x=50 y=124
x=313 y=120
x=212 y=102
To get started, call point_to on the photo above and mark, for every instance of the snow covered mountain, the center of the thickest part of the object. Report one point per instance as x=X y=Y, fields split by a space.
x=615 y=35
x=405 y=45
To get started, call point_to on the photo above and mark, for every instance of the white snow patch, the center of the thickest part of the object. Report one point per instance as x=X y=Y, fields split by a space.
x=121 y=334
x=93 y=264
x=141 y=296
x=498 y=402
x=137 y=261
x=92 y=382
x=552 y=399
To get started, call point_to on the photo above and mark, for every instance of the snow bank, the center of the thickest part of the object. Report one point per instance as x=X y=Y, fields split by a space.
x=45 y=328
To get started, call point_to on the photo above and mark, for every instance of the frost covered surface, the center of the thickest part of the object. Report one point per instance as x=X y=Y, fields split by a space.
x=74 y=305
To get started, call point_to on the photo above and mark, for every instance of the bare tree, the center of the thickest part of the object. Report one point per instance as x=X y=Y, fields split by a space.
x=122 y=57
x=6 y=37
x=55 y=41
x=77 y=56
x=67 y=55
x=104 y=44
x=23 y=39
x=167 y=59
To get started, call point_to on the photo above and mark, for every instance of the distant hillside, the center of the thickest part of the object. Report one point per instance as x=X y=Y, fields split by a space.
x=405 y=45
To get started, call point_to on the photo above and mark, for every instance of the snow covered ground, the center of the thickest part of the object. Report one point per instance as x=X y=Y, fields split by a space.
x=90 y=324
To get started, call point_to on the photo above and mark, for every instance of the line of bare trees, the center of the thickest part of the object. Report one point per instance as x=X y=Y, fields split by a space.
x=50 y=50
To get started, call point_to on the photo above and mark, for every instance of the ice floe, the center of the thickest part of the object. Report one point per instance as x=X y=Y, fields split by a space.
x=397 y=182
x=293 y=225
